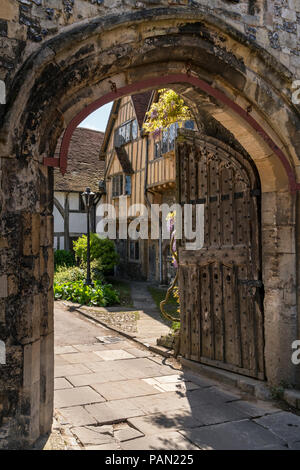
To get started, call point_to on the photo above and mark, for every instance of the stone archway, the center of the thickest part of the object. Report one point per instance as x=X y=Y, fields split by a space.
x=74 y=70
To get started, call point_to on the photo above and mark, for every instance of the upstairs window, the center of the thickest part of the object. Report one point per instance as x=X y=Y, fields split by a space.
x=126 y=133
x=121 y=185
x=167 y=142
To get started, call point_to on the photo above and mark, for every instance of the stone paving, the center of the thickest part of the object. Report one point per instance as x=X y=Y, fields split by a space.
x=112 y=395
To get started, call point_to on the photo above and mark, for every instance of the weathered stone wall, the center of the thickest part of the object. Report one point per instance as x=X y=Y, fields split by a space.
x=25 y=24
x=26 y=301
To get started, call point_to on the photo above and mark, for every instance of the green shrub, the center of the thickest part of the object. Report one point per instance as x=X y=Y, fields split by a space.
x=63 y=258
x=101 y=294
x=96 y=272
x=102 y=251
x=71 y=274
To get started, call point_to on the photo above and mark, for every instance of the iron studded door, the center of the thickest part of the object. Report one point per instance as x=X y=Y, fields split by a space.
x=220 y=284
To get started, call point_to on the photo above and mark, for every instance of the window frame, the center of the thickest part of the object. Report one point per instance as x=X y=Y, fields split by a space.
x=170 y=147
x=122 y=177
x=124 y=125
x=136 y=244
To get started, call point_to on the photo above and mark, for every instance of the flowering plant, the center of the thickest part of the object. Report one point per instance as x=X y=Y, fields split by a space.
x=169 y=108
x=170 y=219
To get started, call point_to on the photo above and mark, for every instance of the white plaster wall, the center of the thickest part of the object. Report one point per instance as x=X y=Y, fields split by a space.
x=74 y=201
x=58 y=221
x=62 y=243
x=77 y=223
x=60 y=196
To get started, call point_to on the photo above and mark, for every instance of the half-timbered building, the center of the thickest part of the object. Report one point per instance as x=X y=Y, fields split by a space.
x=141 y=168
x=85 y=170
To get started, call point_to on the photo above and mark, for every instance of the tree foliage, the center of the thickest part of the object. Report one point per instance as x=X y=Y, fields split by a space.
x=169 y=108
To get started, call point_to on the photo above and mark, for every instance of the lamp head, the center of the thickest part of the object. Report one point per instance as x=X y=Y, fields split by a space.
x=88 y=198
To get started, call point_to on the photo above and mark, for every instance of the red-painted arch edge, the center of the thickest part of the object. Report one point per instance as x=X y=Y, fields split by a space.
x=156 y=82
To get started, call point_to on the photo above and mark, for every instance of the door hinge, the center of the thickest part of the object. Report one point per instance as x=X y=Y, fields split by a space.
x=250 y=282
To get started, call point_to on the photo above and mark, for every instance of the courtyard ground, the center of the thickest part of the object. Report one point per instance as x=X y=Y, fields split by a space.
x=111 y=394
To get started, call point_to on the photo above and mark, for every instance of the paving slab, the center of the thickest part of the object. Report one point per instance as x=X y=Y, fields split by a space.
x=61 y=383
x=76 y=416
x=165 y=441
x=127 y=434
x=108 y=366
x=139 y=368
x=254 y=409
x=209 y=414
x=59 y=361
x=166 y=421
x=89 y=347
x=163 y=402
x=76 y=396
x=284 y=425
x=124 y=389
x=95 y=378
x=81 y=357
x=71 y=369
x=64 y=349
x=113 y=355
x=94 y=435
x=127 y=371
x=138 y=352
x=114 y=411
x=212 y=395
x=238 y=435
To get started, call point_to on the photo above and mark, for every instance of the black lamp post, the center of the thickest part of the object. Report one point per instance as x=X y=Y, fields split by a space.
x=88 y=197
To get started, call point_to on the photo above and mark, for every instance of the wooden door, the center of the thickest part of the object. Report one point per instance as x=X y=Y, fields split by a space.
x=220 y=285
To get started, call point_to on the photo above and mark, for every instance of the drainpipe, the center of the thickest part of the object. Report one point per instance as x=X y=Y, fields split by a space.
x=146 y=191
x=146 y=173
x=160 y=251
